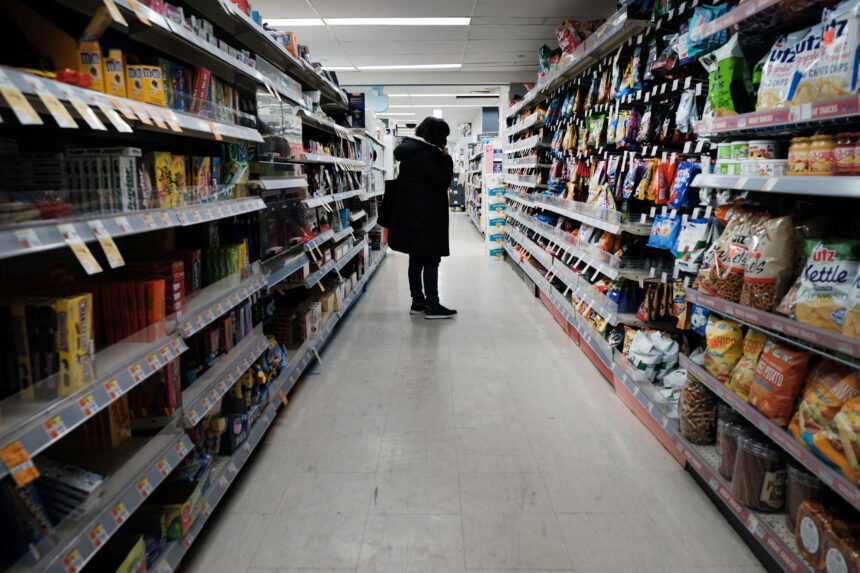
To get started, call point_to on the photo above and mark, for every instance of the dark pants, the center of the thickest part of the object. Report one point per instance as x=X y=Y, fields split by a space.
x=429 y=266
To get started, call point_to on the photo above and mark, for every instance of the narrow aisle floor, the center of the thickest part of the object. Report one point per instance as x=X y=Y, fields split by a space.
x=484 y=443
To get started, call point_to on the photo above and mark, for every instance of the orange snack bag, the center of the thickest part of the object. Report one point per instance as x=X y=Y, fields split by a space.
x=778 y=380
x=829 y=386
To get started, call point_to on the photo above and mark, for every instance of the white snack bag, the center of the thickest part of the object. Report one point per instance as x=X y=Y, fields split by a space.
x=835 y=74
x=808 y=65
x=778 y=72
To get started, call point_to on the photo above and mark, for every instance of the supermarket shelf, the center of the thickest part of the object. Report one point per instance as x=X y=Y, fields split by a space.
x=187 y=124
x=275 y=183
x=835 y=186
x=806 y=117
x=540 y=255
x=204 y=393
x=614 y=32
x=342 y=234
x=533 y=142
x=332 y=198
x=531 y=164
x=206 y=305
x=474 y=218
x=353 y=217
x=736 y=16
x=38 y=424
x=835 y=480
x=534 y=121
x=811 y=338
x=342 y=162
x=369 y=225
x=585 y=213
x=150 y=461
x=315 y=278
x=319 y=240
x=43 y=235
x=476 y=155
x=768 y=529
x=371 y=194
x=279 y=268
x=173 y=554
x=530 y=183
x=324 y=124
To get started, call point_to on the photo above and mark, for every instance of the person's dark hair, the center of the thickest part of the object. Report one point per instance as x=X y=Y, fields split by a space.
x=434 y=130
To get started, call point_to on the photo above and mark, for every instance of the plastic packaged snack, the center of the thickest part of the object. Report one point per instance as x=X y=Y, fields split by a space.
x=651 y=57
x=802 y=487
x=807 y=57
x=702 y=15
x=852 y=317
x=828 y=387
x=825 y=291
x=664 y=232
x=778 y=380
x=724 y=340
x=840 y=443
x=725 y=278
x=743 y=373
x=727 y=445
x=692 y=243
x=778 y=72
x=759 y=476
x=840 y=550
x=729 y=80
x=687 y=171
x=839 y=42
x=812 y=522
x=665 y=63
x=697 y=411
x=699 y=317
x=769 y=264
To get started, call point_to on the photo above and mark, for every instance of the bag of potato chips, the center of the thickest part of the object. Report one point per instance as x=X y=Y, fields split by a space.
x=840 y=442
x=724 y=347
x=852 y=317
x=744 y=371
x=828 y=387
x=826 y=283
x=807 y=61
x=779 y=378
x=839 y=43
x=777 y=72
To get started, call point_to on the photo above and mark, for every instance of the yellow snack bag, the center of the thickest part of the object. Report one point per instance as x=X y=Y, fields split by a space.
x=724 y=346
x=744 y=371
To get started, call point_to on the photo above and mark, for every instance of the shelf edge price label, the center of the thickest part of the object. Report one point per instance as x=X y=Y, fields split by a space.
x=205 y=403
x=98 y=536
x=58 y=111
x=165 y=218
x=28 y=238
x=144 y=488
x=193 y=417
x=20 y=106
x=55 y=428
x=18 y=462
x=79 y=248
x=178 y=346
x=112 y=387
x=87 y=405
x=136 y=371
x=119 y=513
x=149 y=221
x=223 y=386
x=123 y=224
x=213 y=395
x=163 y=466
x=181 y=449
x=111 y=251
x=73 y=561
x=154 y=362
x=166 y=353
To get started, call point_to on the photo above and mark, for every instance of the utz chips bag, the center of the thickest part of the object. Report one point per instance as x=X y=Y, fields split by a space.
x=807 y=58
x=724 y=347
x=778 y=380
x=828 y=387
x=839 y=43
x=826 y=283
x=840 y=442
x=744 y=371
x=852 y=317
x=777 y=72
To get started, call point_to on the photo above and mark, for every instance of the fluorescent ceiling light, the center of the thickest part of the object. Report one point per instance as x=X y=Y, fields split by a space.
x=412 y=67
x=294 y=22
x=398 y=21
x=339 y=68
x=477 y=96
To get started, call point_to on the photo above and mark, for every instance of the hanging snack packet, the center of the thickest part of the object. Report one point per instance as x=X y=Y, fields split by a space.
x=687 y=171
x=616 y=75
x=724 y=340
x=636 y=72
x=808 y=65
x=664 y=232
x=699 y=317
x=729 y=86
x=839 y=50
x=647 y=74
x=744 y=371
x=769 y=264
x=665 y=62
x=692 y=243
x=703 y=15
x=826 y=283
x=777 y=72
x=779 y=379
x=645 y=183
x=828 y=387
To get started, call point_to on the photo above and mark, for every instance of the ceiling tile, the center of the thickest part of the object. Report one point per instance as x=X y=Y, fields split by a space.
x=281 y=9
x=496 y=57
x=545 y=33
x=393 y=59
x=399 y=33
x=508 y=46
x=561 y=9
x=403 y=47
x=392 y=8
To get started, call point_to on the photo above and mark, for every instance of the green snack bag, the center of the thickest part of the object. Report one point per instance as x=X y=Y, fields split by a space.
x=730 y=88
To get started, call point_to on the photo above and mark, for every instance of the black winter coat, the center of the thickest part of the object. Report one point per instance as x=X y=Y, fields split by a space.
x=420 y=217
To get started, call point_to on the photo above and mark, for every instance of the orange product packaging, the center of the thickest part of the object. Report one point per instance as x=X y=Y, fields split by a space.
x=778 y=380
x=840 y=443
x=828 y=387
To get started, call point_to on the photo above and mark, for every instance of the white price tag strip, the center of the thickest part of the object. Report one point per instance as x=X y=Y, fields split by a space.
x=16 y=100
x=57 y=110
x=79 y=248
x=111 y=251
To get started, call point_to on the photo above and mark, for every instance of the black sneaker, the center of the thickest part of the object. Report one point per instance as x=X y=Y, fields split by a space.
x=438 y=311
x=417 y=307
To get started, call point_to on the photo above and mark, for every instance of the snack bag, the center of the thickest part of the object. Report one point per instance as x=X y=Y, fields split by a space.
x=839 y=43
x=777 y=72
x=829 y=386
x=724 y=347
x=778 y=380
x=840 y=442
x=807 y=56
x=664 y=232
x=729 y=80
x=692 y=242
x=852 y=317
x=769 y=264
x=826 y=283
x=686 y=172
x=744 y=371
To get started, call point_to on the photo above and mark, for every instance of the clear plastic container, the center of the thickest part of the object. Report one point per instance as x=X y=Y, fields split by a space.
x=802 y=486
x=727 y=445
x=759 y=476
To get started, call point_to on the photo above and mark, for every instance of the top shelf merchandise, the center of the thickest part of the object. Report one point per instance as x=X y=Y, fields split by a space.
x=181 y=227
x=686 y=130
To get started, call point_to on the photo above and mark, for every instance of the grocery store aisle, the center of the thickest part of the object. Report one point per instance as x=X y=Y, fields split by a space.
x=483 y=443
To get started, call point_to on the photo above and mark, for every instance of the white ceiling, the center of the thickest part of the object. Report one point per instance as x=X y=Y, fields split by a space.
x=501 y=41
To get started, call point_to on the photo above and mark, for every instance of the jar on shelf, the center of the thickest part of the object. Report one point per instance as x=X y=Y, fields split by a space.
x=802 y=486
x=740 y=149
x=844 y=154
x=759 y=476
x=728 y=430
x=763 y=149
x=822 y=156
x=724 y=150
x=798 y=156
x=855 y=137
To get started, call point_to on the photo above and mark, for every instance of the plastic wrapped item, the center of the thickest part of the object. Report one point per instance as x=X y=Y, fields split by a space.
x=727 y=445
x=828 y=387
x=840 y=443
x=823 y=297
x=697 y=409
x=743 y=374
x=769 y=264
x=840 y=550
x=664 y=232
x=693 y=240
x=802 y=487
x=811 y=523
x=724 y=347
x=730 y=87
x=759 y=476
x=779 y=378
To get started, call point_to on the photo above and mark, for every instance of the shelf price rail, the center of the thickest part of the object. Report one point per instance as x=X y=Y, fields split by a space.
x=845 y=187
x=766 y=529
x=216 y=300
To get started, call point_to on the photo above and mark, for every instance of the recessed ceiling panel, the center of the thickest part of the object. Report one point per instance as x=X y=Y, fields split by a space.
x=561 y=9
x=281 y=9
x=392 y=8
x=398 y=33
x=544 y=33
x=403 y=47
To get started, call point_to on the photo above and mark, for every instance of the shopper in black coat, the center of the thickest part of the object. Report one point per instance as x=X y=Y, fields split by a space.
x=419 y=220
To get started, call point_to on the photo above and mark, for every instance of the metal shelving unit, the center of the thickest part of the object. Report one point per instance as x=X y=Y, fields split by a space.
x=843 y=187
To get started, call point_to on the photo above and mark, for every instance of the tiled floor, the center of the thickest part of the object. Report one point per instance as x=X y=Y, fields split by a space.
x=485 y=443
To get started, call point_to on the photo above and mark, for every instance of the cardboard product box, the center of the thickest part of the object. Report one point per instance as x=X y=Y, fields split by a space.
x=201 y=178
x=22 y=348
x=75 y=343
x=162 y=176
x=114 y=65
x=236 y=434
x=315 y=317
x=177 y=504
x=90 y=63
x=146 y=84
x=328 y=303
x=178 y=182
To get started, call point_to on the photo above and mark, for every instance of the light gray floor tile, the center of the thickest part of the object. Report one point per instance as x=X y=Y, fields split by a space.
x=422 y=492
x=418 y=454
x=328 y=493
x=412 y=544
x=305 y=540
